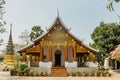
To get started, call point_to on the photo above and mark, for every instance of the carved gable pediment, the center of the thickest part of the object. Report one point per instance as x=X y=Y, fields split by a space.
x=58 y=34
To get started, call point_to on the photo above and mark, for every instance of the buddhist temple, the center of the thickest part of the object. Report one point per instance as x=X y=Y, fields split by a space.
x=114 y=55
x=58 y=47
x=9 y=58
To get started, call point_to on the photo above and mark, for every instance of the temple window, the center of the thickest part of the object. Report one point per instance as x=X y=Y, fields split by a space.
x=82 y=57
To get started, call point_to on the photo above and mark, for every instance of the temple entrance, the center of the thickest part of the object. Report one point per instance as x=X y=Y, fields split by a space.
x=58 y=58
x=118 y=65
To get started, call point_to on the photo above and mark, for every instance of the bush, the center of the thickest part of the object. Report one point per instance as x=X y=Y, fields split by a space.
x=16 y=65
x=101 y=68
x=12 y=71
x=31 y=72
x=19 y=69
x=23 y=66
x=26 y=70
x=6 y=68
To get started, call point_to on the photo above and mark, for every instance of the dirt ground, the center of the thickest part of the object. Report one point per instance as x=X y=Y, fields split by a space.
x=6 y=76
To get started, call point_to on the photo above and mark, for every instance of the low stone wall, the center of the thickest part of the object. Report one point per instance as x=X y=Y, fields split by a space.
x=45 y=64
x=42 y=69
x=71 y=64
x=90 y=64
x=81 y=69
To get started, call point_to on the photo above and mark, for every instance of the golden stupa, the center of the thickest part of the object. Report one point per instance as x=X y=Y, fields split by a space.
x=9 y=58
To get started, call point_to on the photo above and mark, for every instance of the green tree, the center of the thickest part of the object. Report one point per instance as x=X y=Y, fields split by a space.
x=2 y=22
x=106 y=37
x=36 y=32
x=18 y=57
x=110 y=4
x=24 y=36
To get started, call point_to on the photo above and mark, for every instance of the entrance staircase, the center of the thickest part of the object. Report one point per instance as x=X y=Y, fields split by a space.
x=59 y=71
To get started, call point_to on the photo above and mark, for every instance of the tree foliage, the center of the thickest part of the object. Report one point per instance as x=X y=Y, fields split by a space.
x=110 y=4
x=25 y=37
x=18 y=57
x=106 y=37
x=2 y=22
x=36 y=32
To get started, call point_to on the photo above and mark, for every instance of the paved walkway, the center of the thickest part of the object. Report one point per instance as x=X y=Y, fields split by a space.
x=6 y=76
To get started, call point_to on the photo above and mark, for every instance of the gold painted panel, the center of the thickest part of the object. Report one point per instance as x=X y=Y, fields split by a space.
x=57 y=34
x=34 y=49
x=81 y=49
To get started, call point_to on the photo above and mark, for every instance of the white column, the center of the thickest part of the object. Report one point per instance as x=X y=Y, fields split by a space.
x=106 y=63
x=45 y=64
x=71 y=64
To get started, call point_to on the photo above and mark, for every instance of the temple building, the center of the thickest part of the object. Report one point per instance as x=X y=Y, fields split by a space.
x=114 y=56
x=9 y=58
x=58 y=47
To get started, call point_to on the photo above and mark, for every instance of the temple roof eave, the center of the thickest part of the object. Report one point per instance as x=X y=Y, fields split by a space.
x=25 y=48
x=78 y=40
x=83 y=44
x=88 y=47
x=114 y=52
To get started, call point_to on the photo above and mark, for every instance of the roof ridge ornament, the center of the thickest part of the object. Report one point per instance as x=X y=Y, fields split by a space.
x=69 y=28
x=57 y=12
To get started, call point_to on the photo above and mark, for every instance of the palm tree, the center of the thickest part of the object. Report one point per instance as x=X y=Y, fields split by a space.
x=36 y=32
x=110 y=4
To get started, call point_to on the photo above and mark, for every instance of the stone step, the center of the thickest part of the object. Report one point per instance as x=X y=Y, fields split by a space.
x=59 y=71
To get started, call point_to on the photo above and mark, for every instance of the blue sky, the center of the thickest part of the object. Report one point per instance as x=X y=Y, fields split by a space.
x=82 y=16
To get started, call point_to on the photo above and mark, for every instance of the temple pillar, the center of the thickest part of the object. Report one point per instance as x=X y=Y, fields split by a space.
x=35 y=58
x=50 y=51
x=23 y=57
x=74 y=63
x=30 y=57
x=74 y=47
x=91 y=56
x=106 y=63
x=66 y=51
x=41 y=53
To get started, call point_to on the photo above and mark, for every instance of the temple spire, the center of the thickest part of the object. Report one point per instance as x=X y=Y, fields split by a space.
x=10 y=36
x=11 y=29
x=10 y=47
x=9 y=58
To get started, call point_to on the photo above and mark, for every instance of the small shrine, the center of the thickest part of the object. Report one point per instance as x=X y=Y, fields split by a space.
x=9 y=58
